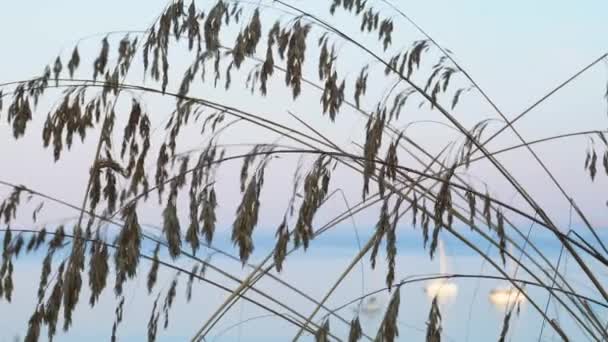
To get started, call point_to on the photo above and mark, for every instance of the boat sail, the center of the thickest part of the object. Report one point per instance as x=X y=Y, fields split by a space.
x=506 y=295
x=442 y=289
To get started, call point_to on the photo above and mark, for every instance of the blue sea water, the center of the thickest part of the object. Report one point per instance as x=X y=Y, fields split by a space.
x=468 y=316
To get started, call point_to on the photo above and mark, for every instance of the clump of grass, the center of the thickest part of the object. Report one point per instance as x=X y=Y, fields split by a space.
x=120 y=180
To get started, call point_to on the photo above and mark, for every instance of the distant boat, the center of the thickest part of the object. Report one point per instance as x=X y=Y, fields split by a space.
x=442 y=288
x=371 y=306
x=506 y=295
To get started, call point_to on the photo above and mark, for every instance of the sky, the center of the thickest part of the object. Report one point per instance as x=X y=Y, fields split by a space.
x=516 y=50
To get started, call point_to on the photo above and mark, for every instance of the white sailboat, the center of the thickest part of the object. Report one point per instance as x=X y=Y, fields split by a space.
x=442 y=288
x=371 y=306
x=506 y=295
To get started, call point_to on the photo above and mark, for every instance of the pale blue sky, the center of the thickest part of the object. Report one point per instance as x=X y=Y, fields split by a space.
x=516 y=50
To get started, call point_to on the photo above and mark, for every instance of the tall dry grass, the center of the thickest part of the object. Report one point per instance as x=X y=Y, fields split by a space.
x=279 y=51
